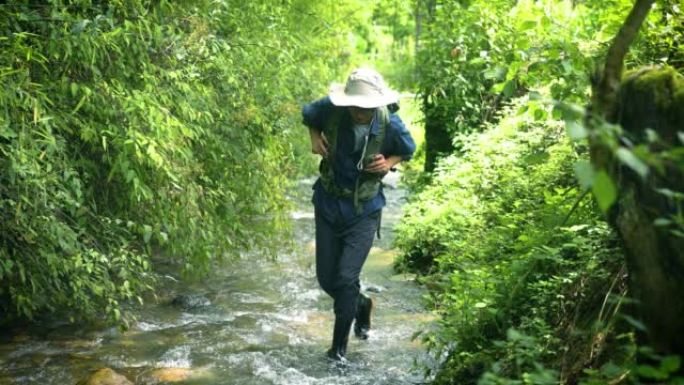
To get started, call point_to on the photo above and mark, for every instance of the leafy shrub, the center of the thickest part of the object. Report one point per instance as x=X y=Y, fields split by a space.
x=526 y=277
x=139 y=128
x=516 y=258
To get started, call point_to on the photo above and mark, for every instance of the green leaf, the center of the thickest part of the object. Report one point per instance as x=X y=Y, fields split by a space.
x=528 y=24
x=80 y=26
x=647 y=371
x=8 y=265
x=514 y=335
x=480 y=305
x=637 y=324
x=630 y=160
x=612 y=370
x=571 y=111
x=510 y=88
x=147 y=233
x=80 y=104
x=567 y=66
x=670 y=194
x=498 y=87
x=576 y=130
x=497 y=72
x=585 y=174
x=604 y=190
x=670 y=364
x=7 y=132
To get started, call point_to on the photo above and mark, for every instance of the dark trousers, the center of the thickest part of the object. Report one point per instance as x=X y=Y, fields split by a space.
x=341 y=251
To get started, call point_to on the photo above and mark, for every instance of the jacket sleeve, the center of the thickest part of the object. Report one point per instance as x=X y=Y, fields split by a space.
x=400 y=141
x=314 y=114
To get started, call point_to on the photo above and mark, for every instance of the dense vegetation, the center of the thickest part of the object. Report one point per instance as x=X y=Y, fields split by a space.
x=528 y=278
x=136 y=134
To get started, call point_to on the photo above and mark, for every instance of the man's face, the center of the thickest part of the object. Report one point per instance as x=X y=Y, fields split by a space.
x=361 y=115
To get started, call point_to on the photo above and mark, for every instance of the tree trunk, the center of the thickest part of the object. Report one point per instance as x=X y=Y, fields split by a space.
x=437 y=139
x=654 y=254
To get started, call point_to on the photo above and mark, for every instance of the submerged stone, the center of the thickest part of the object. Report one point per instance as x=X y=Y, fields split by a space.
x=191 y=301
x=170 y=374
x=374 y=289
x=106 y=376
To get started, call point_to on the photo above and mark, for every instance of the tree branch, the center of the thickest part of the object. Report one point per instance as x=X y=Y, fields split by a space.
x=609 y=81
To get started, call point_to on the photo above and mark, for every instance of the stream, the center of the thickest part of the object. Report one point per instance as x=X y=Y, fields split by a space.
x=254 y=321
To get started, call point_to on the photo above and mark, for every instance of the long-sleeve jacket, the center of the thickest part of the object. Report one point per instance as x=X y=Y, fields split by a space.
x=397 y=142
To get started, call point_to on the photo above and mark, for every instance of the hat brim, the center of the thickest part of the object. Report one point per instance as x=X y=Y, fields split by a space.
x=339 y=98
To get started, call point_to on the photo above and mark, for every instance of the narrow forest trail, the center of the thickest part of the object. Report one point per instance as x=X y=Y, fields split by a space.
x=254 y=322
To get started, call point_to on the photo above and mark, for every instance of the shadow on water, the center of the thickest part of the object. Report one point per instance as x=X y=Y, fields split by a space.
x=256 y=321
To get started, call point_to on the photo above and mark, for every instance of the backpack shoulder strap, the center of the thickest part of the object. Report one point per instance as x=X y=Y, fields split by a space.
x=375 y=145
x=331 y=128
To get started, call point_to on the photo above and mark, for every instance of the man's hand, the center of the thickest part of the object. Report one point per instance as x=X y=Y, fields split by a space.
x=319 y=144
x=381 y=165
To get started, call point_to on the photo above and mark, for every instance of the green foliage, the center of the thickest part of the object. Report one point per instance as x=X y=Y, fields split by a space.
x=525 y=275
x=515 y=257
x=660 y=369
x=391 y=45
x=137 y=128
x=477 y=55
x=659 y=41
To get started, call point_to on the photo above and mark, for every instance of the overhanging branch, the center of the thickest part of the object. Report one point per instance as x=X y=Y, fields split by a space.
x=609 y=81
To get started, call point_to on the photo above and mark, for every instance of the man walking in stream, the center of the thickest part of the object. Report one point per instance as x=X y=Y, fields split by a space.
x=360 y=139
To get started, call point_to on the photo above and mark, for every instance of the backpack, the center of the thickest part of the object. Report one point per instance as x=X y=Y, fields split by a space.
x=367 y=184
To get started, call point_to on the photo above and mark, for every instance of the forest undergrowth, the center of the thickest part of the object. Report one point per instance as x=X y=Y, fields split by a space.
x=508 y=232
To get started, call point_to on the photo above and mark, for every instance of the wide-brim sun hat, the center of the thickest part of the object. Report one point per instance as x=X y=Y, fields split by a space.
x=365 y=88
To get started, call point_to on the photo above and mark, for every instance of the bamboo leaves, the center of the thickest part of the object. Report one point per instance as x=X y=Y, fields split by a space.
x=128 y=128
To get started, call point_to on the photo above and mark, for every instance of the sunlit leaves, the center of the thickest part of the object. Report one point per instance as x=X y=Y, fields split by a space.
x=628 y=158
x=576 y=130
x=492 y=227
x=122 y=136
x=604 y=190
x=585 y=174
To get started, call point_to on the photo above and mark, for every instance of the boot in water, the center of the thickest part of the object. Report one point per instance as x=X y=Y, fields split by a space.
x=362 y=325
x=340 y=339
x=336 y=354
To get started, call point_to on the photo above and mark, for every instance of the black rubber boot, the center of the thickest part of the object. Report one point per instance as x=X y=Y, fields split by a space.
x=362 y=325
x=340 y=339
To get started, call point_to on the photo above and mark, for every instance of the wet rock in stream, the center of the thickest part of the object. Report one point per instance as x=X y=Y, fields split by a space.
x=106 y=376
x=191 y=301
x=374 y=289
x=165 y=375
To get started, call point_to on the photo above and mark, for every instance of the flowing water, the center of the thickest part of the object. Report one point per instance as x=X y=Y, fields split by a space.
x=256 y=321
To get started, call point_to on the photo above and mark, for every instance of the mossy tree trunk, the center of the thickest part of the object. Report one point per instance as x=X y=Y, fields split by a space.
x=648 y=100
x=655 y=256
